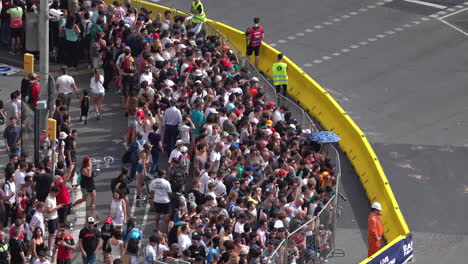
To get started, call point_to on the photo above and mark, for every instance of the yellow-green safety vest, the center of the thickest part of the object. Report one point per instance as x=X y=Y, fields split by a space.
x=200 y=18
x=280 y=75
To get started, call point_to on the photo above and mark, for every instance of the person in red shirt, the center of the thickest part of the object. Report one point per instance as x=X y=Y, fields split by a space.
x=63 y=197
x=253 y=90
x=375 y=229
x=35 y=89
x=64 y=245
x=255 y=35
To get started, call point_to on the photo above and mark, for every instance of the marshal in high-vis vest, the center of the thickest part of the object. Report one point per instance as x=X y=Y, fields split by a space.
x=280 y=75
x=198 y=12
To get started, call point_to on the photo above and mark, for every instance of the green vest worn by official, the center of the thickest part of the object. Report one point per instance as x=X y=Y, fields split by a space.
x=280 y=75
x=200 y=18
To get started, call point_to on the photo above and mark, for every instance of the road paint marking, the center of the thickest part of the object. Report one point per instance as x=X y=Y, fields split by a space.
x=454 y=27
x=459 y=6
x=363 y=43
x=425 y=18
x=380 y=36
x=326 y=57
x=434 y=16
x=353 y=13
x=291 y=37
x=317 y=61
x=362 y=9
x=145 y=218
x=282 y=41
x=308 y=65
x=273 y=45
x=398 y=29
x=345 y=16
x=371 y=6
x=300 y=34
x=371 y=39
x=388 y=1
x=380 y=3
x=327 y=23
x=309 y=30
x=345 y=50
x=454 y=13
x=134 y=204
x=407 y=25
x=336 y=20
x=451 y=9
x=336 y=54
x=390 y=32
x=441 y=13
x=354 y=46
x=416 y=22
x=318 y=26
x=426 y=4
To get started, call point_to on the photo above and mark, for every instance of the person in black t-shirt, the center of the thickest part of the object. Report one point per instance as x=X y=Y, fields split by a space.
x=4 y=253
x=17 y=248
x=43 y=182
x=10 y=168
x=90 y=242
x=70 y=147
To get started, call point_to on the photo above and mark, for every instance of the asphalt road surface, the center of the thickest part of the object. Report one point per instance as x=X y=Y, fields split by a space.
x=399 y=69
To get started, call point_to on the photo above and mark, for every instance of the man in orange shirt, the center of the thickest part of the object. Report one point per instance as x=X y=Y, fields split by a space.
x=375 y=229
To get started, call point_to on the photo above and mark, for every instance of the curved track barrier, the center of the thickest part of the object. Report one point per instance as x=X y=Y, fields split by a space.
x=320 y=104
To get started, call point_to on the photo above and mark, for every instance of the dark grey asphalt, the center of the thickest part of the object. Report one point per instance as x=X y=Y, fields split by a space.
x=406 y=89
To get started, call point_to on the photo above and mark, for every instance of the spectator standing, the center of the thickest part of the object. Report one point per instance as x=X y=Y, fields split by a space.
x=17 y=248
x=280 y=75
x=12 y=137
x=171 y=119
x=117 y=210
x=43 y=181
x=72 y=43
x=198 y=15
x=4 y=250
x=52 y=215
x=161 y=192
x=16 y=27
x=87 y=183
x=38 y=218
x=97 y=92
x=116 y=245
x=37 y=244
x=255 y=35
x=154 y=139
x=64 y=245
x=375 y=229
x=9 y=200
x=70 y=148
x=90 y=242
x=63 y=197
x=66 y=84
x=149 y=254
x=11 y=108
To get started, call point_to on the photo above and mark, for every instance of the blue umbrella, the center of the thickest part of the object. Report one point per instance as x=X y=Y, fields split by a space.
x=324 y=137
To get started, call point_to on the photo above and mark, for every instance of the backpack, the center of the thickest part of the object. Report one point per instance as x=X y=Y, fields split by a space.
x=175 y=200
x=119 y=39
x=127 y=65
x=177 y=176
x=184 y=161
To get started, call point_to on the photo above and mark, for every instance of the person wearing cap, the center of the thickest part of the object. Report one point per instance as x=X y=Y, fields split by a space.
x=280 y=75
x=196 y=249
x=175 y=153
x=64 y=245
x=89 y=242
x=375 y=229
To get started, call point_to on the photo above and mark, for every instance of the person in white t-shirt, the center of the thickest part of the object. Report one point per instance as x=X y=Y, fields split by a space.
x=161 y=192
x=66 y=84
x=52 y=214
x=184 y=239
x=20 y=174
x=38 y=218
x=184 y=128
x=175 y=153
x=42 y=258
x=149 y=254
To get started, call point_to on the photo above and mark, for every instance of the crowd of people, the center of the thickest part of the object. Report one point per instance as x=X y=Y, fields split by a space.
x=241 y=173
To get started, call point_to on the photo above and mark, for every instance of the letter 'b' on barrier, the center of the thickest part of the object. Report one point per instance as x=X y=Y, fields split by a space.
x=28 y=63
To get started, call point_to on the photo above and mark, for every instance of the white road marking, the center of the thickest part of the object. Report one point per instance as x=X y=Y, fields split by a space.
x=326 y=57
x=454 y=27
x=380 y=3
x=390 y=32
x=327 y=23
x=459 y=6
x=407 y=25
x=291 y=37
x=380 y=36
x=362 y=9
x=425 y=18
x=273 y=45
x=454 y=13
x=345 y=16
x=371 y=6
x=336 y=20
x=363 y=43
x=371 y=39
x=300 y=34
x=354 y=46
x=132 y=211
x=309 y=30
x=441 y=13
x=451 y=9
x=318 y=26
x=426 y=4
x=398 y=29
x=353 y=13
x=308 y=65
x=145 y=218
x=416 y=22
x=317 y=61
x=336 y=54
x=282 y=41
x=345 y=50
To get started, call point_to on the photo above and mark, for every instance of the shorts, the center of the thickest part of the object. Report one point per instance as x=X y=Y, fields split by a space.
x=139 y=168
x=16 y=32
x=128 y=84
x=162 y=208
x=93 y=94
x=132 y=121
x=52 y=225
x=63 y=213
x=251 y=49
x=64 y=261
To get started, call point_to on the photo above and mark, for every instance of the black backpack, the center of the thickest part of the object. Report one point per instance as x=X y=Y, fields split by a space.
x=177 y=176
x=132 y=246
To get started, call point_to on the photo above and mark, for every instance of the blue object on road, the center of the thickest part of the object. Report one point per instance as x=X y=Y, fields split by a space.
x=324 y=137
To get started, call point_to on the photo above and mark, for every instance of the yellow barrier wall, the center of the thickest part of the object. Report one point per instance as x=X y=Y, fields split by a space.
x=320 y=104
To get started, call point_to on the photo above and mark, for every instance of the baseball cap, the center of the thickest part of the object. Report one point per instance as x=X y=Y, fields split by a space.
x=306 y=131
x=174 y=246
x=269 y=123
x=109 y=220
x=91 y=219
x=182 y=46
x=63 y=135
x=282 y=172
x=276 y=135
x=254 y=79
x=183 y=149
x=179 y=142
x=292 y=126
x=244 y=251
